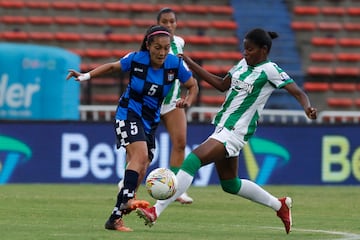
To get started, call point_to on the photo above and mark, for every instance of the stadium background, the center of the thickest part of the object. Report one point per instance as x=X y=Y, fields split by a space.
x=318 y=47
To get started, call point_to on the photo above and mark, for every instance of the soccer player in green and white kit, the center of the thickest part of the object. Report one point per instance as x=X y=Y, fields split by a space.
x=249 y=84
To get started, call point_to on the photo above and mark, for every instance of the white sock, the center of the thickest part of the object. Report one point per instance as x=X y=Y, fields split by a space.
x=254 y=192
x=184 y=181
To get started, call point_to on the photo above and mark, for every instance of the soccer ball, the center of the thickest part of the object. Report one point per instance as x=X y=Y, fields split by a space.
x=161 y=183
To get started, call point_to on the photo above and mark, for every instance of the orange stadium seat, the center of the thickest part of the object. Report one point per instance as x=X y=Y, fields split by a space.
x=324 y=41
x=220 y=9
x=225 y=40
x=105 y=98
x=119 y=53
x=80 y=52
x=92 y=21
x=142 y=7
x=196 y=24
x=199 y=9
x=37 y=4
x=93 y=37
x=316 y=86
x=353 y=11
x=357 y=102
x=233 y=55
x=303 y=26
x=66 y=20
x=176 y=7
x=119 y=22
x=340 y=102
x=333 y=10
x=13 y=19
x=349 y=42
x=348 y=57
x=347 y=71
x=320 y=71
x=306 y=10
x=138 y=37
x=40 y=20
x=198 y=39
x=351 y=26
x=343 y=87
x=97 y=53
x=15 y=36
x=330 y=26
x=64 y=5
x=143 y=22
x=41 y=36
x=12 y=4
x=67 y=36
x=116 y=6
x=216 y=69
x=212 y=100
x=203 y=55
x=223 y=24
x=90 y=6
x=322 y=57
x=120 y=37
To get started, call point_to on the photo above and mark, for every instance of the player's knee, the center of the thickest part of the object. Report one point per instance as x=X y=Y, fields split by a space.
x=231 y=186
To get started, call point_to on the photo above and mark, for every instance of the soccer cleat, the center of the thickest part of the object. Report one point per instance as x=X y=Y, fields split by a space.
x=148 y=214
x=284 y=213
x=133 y=204
x=184 y=199
x=118 y=225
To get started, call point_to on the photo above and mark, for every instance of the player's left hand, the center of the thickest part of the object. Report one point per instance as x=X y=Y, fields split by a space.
x=73 y=73
x=311 y=112
x=182 y=103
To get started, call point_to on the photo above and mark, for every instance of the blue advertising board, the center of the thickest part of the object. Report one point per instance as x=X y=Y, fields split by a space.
x=80 y=152
x=33 y=85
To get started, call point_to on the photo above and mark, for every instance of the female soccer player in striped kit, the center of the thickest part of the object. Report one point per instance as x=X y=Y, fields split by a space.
x=249 y=85
x=174 y=118
x=152 y=75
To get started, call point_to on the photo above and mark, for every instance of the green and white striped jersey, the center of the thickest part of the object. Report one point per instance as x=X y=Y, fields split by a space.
x=176 y=47
x=250 y=89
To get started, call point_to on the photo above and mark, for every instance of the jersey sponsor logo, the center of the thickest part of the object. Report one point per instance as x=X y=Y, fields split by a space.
x=138 y=70
x=12 y=153
x=243 y=86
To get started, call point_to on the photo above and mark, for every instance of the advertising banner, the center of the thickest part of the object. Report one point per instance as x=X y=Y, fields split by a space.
x=33 y=85
x=80 y=152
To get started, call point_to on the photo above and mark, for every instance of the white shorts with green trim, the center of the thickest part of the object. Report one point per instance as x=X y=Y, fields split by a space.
x=233 y=143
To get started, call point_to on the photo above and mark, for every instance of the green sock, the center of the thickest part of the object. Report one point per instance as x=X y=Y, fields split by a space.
x=231 y=186
x=174 y=169
x=191 y=164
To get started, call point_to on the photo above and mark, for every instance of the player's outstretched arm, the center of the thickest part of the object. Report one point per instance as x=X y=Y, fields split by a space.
x=98 y=71
x=216 y=81
x=303 y=99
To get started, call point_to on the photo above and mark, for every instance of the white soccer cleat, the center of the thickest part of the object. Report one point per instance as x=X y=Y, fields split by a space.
x=184 y=199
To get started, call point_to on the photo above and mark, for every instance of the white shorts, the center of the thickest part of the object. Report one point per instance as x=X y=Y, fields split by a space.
x=172 y=98
x=233 y=143
x=168 y=107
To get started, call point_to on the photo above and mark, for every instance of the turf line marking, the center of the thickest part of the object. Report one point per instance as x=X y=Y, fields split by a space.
x=345 y=235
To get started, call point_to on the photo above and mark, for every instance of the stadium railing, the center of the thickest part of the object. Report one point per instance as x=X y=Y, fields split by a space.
x=204 y=114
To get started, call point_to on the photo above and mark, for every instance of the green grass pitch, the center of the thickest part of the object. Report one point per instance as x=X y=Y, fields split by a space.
x=79 y=211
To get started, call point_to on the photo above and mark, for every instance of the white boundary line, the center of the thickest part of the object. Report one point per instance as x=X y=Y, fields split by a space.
x=344 y=235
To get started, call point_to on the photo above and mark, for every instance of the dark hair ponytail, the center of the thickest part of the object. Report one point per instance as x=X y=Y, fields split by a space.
x=261 y=37
x=155 y=30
